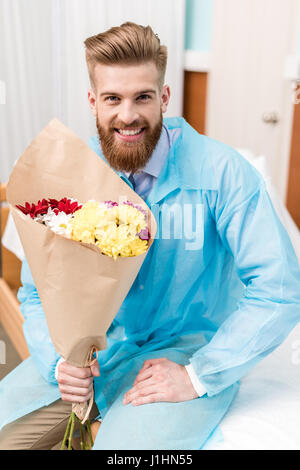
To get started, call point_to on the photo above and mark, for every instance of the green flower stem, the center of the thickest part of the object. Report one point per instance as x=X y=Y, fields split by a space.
x=84 y=445
x=88 y=425
x=71 y=430
x=64 y=443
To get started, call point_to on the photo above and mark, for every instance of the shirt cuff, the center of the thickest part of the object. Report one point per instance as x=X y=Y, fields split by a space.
x=200 y=389
x=57 y=365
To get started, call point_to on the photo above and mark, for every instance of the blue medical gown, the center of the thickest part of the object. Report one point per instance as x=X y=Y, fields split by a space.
x=220 y=286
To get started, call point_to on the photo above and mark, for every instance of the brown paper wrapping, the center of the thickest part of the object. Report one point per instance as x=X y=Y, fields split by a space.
x=81 y=290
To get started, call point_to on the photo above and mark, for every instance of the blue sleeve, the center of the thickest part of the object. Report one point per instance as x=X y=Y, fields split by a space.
x=267 y=265
x=35 y=327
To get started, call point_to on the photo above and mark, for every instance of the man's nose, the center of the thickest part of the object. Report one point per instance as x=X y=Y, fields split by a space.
x=128 y=113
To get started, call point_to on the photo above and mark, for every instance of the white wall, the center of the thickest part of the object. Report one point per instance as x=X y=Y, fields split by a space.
x=43 y=67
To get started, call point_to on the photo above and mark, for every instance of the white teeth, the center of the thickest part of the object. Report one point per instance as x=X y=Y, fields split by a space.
x=129 y=132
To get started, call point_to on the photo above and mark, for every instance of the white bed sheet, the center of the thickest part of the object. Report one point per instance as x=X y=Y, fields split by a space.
x=266 y=412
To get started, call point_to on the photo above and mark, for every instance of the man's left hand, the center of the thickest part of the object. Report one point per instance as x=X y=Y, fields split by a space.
x=160 y=380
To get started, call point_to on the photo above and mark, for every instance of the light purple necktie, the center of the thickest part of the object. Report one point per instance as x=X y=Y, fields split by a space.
x=142 y=183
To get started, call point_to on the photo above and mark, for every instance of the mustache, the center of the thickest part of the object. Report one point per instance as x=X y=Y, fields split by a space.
x=134 y=125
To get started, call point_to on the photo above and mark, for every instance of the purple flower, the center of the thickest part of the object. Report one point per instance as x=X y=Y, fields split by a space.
x=136 y=206
x=111 y=204
x=144 y=234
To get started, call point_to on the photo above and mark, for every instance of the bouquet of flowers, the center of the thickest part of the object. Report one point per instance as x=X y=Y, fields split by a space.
x=83 y=256
x=117 y=229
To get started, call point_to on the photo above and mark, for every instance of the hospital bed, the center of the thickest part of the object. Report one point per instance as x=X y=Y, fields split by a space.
x=266 y=412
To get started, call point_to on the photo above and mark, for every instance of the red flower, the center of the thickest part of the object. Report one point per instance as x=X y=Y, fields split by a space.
x=34 y=210
x=64 y=205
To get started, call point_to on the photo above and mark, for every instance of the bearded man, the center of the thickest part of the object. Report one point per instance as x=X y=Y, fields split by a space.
x=215 y=294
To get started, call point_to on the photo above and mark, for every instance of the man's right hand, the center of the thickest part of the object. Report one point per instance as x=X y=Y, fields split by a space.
x=75 y=383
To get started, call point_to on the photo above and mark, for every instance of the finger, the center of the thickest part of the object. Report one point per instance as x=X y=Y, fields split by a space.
x=144 y=383
x=139 y=386
x=153 y=398
x=69 y=390
x=75 y=398
x=149 y=390
x=147 y=365
x=68 y=380
x=95 y=369
x=143 y=368
x=77 y=372
x=151 y=362
x=143 y=375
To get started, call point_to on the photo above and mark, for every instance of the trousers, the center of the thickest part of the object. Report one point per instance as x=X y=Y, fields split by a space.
x=42 y=429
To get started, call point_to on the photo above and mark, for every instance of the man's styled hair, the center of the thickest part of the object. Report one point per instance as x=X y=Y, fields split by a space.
x=129 y=44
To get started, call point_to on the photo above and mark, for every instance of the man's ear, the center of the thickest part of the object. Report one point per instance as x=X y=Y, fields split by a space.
x=92 y=101
x=165 y=98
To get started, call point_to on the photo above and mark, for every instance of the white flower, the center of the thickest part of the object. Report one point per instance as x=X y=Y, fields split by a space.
x=57 y=223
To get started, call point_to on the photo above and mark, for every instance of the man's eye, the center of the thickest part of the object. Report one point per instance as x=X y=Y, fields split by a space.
x=112 y=99
x=144 y=97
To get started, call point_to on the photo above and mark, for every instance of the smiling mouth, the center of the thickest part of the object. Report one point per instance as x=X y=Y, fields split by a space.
x=130 y=136
x=130 y=132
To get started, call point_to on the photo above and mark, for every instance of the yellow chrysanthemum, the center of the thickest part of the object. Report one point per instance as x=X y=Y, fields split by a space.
x=130 y=215
x=114 y=230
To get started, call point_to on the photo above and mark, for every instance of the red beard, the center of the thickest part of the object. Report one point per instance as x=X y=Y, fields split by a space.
x=129 y=157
